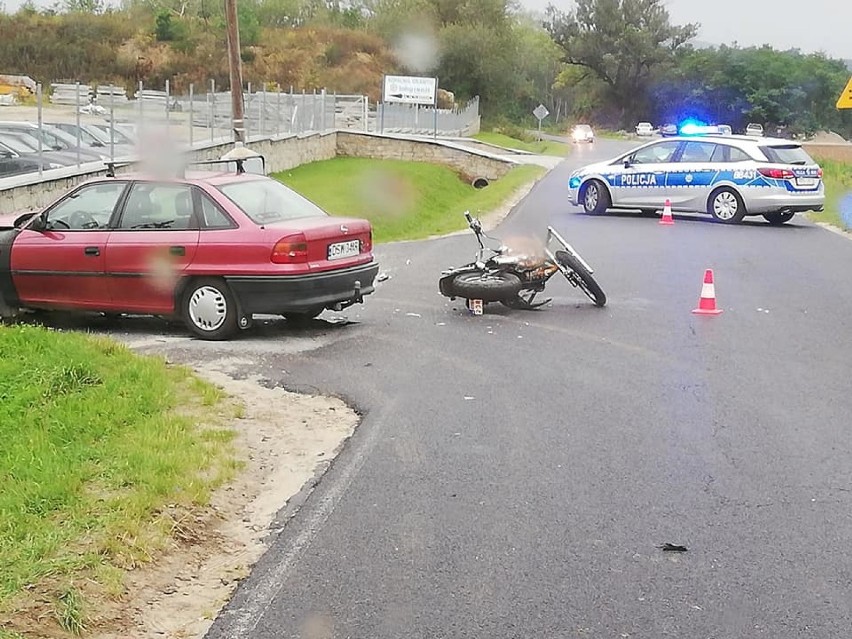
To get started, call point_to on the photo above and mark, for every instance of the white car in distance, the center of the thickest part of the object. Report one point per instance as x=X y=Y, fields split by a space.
x=644 y=129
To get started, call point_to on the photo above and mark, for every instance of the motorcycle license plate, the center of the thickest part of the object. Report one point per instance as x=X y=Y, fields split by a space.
x=476 y=307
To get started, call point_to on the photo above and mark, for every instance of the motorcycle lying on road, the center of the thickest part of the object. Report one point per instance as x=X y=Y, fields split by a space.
x=514 y=278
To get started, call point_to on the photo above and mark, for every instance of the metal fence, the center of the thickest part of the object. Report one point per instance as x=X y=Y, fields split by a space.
x=205 y=112
x=196 y=117
x=418 y=120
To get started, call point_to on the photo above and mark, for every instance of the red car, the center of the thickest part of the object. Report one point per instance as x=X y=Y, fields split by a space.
x=213 y=249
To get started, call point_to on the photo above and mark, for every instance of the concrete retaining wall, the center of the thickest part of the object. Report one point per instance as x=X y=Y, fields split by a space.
x=469 y=163
x=27 y=192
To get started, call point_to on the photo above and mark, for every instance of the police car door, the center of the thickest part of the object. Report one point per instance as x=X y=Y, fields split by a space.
x=642 y=180
x=691 y=178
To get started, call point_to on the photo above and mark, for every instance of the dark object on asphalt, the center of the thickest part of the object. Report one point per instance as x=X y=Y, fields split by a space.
x=672 y=548
x=515 y=278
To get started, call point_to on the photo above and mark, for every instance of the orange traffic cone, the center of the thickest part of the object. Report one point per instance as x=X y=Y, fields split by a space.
x=707 y=301
x=667 y=213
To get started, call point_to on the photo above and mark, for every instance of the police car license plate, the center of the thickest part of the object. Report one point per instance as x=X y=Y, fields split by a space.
x=807 y=183
x=341 y=250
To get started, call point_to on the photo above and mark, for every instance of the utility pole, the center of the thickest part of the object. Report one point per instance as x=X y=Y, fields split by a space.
x=235 y=66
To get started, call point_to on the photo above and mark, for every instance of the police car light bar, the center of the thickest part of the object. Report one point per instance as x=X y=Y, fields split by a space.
x=696 y=128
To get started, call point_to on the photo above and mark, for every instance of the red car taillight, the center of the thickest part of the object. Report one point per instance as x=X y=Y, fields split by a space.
x=367 y=244
x=777 y=174
x=292 y=249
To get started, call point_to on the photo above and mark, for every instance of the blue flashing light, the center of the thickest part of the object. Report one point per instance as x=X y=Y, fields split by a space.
x=574 y=182
x=691 y=127
x=695 y=127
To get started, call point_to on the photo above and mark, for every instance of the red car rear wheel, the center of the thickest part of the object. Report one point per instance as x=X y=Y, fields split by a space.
x=209 y=310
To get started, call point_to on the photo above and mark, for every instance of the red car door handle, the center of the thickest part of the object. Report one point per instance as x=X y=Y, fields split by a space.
x=92 y=250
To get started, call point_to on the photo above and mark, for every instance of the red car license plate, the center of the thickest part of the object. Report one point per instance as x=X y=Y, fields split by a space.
x=340 y=250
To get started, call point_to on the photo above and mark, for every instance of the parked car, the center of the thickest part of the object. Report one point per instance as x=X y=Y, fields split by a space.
x=582 y=133
x=13 y=163
x=54 y=140
x=92 y=137
x=644 y=129
x=728 y=178
x=121 y=134
x=27 y=147
x=668 y=130
x=754 y=129
x=211 y=248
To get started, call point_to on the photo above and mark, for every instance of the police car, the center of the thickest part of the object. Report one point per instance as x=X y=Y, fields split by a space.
x=727 y=177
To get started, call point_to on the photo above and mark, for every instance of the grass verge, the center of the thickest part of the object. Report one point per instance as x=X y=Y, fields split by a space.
x=403 y=200
x=102 y=462
x=544 y=147
x=614 y=135
x=838 y=184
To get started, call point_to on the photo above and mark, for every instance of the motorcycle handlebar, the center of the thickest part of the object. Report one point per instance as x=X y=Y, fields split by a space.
x=472 y=222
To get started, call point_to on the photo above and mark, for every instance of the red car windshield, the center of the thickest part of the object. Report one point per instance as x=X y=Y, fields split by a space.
x=266 y=201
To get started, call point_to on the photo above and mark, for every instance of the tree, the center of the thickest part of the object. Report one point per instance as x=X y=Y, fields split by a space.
x=621 y=42
x=164 y=29
x=580 y=95
x=84 y=6
x=734 y=86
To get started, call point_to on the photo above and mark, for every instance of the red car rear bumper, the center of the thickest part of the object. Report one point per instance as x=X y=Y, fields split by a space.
x=279 y=294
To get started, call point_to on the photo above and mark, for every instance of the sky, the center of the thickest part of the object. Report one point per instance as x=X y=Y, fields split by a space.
x=811 y=26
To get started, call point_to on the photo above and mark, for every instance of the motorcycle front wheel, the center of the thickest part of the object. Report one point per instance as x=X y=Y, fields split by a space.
x=583 y=279
x=488 y=287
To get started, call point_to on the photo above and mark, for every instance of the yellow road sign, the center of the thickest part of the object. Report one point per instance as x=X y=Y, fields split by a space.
x=845 y=100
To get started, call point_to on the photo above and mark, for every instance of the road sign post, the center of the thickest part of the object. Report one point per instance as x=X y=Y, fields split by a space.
x=540 y=112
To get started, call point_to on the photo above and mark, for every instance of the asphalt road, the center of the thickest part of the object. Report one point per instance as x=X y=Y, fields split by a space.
x=514 y=473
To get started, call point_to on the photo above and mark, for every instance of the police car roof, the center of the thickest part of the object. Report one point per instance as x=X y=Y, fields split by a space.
x=715 y=137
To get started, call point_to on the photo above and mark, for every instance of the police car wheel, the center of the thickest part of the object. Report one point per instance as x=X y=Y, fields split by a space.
x=726 y=206
x=778 y=218
x=595 y=198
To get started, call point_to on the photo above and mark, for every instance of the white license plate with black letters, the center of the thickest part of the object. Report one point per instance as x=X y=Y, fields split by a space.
x=340 y=250
x=806 y=182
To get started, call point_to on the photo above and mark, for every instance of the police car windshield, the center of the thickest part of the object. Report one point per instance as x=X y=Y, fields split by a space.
x=787 y=154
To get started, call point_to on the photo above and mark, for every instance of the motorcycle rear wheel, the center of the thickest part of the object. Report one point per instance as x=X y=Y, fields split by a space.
x=488 y=287
x=584 y=279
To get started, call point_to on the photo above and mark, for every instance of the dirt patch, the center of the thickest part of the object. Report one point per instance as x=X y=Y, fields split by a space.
x=285 y=440
x=827 y=137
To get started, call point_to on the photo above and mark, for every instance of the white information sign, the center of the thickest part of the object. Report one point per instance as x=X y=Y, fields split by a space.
x=410 y=89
